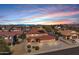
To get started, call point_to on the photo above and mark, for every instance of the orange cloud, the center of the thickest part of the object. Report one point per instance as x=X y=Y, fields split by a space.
x=66 y=21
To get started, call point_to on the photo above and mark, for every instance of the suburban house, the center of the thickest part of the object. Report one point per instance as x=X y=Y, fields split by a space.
x=70 y=34
x=39 y=35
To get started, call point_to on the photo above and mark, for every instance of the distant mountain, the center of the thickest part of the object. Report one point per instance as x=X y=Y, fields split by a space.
x=39 y=24
x=25 y=24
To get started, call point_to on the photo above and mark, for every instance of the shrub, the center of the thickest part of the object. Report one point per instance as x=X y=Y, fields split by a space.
x=22 y=36
x=29 y=50
x=28 y=46
x=3 y=47
x=37 y=48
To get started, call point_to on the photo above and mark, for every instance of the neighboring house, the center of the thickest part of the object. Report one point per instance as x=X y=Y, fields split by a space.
x=17 y=29
x=37 y=35
x=36 y=32
x=69 y=34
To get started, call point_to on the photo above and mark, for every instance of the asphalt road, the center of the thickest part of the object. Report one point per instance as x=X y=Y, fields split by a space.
x=71 y=51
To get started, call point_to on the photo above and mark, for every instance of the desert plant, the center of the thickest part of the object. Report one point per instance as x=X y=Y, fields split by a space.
x=37 y=48
x=29 y=50
x=28 y=46
x=33 y=47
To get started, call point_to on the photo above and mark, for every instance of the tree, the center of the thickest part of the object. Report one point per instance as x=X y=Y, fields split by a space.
x=28 y=46
x=29 y=50
x=37 y=48
x=4 y=47
x=23 y=36
x=0 y=28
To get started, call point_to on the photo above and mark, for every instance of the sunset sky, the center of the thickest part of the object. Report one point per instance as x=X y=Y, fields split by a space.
x=46 y=14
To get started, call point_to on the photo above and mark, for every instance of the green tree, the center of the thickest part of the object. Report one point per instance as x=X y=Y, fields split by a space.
x=3 y=46
x=37 y=48
x=23 y=36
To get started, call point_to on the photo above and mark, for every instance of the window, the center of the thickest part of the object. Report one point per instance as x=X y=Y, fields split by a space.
x=74 y=37
x=41 y=31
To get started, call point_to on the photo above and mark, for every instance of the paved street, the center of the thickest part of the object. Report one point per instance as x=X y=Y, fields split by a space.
x=71 y=51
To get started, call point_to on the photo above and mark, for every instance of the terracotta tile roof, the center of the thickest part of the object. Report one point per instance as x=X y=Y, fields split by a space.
x=34 y=31
x=66 y=32
x=45 y=37
x=6 y=33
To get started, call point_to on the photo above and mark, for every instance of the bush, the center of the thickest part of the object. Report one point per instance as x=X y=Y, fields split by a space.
x=29 y=50
x=37 y=48
x=22 y=36
x=28 y=46
x=33 y=47
x=3 y=47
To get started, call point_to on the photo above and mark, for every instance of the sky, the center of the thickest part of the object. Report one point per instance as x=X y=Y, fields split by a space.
x=44 y=14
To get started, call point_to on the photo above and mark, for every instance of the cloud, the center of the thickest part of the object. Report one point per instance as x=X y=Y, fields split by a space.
x=66 y=21
x=49 y=8
x=51 y=15
x=38 y=19
x=43 y=15
x=2 y=17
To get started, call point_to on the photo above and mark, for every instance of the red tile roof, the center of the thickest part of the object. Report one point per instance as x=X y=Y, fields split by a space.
x=44 y=37
x=34 y=31
x=6 y=33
